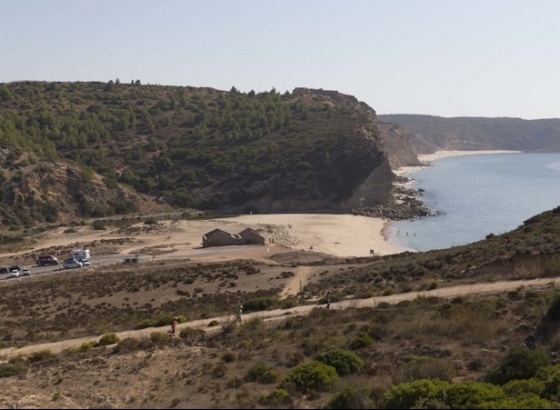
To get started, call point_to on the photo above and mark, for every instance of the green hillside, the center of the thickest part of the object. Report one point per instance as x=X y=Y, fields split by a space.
x=193 y=147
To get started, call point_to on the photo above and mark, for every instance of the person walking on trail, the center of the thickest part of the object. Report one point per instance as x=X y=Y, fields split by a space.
x=174 y=323
x=328 y=299
x=239 y=312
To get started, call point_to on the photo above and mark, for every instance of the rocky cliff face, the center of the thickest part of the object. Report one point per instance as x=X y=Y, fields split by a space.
x=399 y=146
x=359 y=173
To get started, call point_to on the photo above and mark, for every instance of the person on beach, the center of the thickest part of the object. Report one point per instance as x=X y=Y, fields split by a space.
x=328 y=299
x=174 y=323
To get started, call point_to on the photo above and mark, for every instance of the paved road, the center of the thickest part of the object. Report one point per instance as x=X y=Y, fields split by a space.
x=98 y=261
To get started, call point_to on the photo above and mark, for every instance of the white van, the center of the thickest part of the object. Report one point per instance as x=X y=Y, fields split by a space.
x=81 y=255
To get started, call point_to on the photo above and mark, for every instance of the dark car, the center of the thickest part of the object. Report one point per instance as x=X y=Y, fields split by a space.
x=47 y=260
x=14 y=267
x=4 y=270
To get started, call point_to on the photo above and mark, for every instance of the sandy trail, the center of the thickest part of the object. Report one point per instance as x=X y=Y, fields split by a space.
x=281 y=314
x=298 y=282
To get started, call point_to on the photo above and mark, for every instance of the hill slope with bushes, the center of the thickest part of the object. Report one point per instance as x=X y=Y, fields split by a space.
x=226 y=151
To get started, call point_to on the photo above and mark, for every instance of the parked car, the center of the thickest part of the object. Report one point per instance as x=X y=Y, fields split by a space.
x=4 y=270
x=47 y=260
x=14 y=267
x=14 y=274
x=71 y=263
x=26 y=272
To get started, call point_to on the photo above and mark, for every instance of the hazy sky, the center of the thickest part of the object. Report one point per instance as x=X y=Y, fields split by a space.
x=489 y=58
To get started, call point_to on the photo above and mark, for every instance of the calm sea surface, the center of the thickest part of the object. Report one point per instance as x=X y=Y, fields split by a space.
x=479 y=195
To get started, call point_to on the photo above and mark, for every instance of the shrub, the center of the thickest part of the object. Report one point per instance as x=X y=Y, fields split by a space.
x=108 y=339
x=523 y=388
x=259 y=303
x=158 y=338
x=423 y=367
x=406 y=395
x=144 y=324
x=350 y=398
x=521 y=363
x=277 y=398
x=311 y=376
x=98 y=225
x=553 y=313
x=131 y=344
x=261 y=373
x=361 y=341
x=14 y=367
x=86 y=346
x=343 y=361
x=549 y=376
x=228 y=357
x=471 y=395
x=41 y=356
x=190 y=334
x=151 y=221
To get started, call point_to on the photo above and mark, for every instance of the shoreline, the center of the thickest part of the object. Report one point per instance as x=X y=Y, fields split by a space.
x=456 y=153
x=340 y=235
x=406 y=181
x=428 y=159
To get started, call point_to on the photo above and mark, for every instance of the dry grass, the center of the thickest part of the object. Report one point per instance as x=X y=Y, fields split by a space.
x=457 y=339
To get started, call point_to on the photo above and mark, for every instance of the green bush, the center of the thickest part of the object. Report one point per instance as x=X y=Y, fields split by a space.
x=277 y=398
x=343 y=361
x=523 y=388
x=350 y=398
x=521 y=363
x=41 y=356
x=406 y=395
x=131 y=344
x=14 y=367
x=158 y=338
x=257 y=304
x=190 y=334
x=151 y=221
x=86 y=346
x=311 y=376
x=361 y=341
x=108 y=339
x=549 y=376
x=98 y=225
x=472 y=395
x=261 y=373
x=146 y=323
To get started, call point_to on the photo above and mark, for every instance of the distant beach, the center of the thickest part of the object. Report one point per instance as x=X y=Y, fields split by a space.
x=475 y=195
x=427 y=159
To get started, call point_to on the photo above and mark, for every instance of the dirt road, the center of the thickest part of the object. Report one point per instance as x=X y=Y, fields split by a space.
x=281 y=314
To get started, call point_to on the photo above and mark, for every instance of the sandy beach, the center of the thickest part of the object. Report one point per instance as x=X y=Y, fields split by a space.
x=341 y=235
x=428 y=159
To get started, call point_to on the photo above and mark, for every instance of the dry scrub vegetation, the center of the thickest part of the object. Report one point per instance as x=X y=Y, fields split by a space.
x=473 y=351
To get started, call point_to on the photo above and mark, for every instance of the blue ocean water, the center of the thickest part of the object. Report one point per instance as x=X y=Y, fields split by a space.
x=479 y=195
